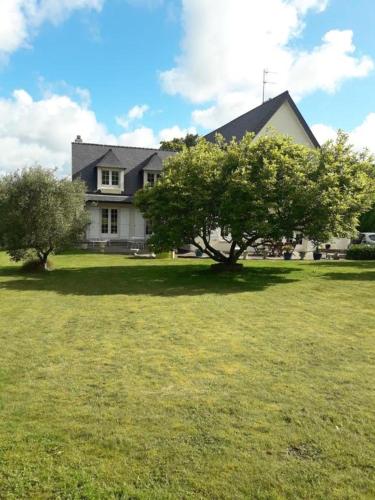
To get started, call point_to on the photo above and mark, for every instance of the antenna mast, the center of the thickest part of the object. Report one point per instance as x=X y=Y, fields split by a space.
x=266 y=82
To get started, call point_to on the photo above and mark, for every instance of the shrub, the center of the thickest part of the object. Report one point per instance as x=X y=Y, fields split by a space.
x=361 y=252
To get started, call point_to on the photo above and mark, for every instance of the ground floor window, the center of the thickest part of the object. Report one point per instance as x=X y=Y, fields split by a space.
x=113 y=221
x=109 y=220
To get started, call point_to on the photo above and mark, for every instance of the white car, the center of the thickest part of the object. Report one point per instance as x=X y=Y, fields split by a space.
x=367 y=238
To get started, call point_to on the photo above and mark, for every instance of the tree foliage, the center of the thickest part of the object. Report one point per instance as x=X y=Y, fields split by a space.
x=367 y=221
x=178 y=143
x=257 y=191
x=40 y=213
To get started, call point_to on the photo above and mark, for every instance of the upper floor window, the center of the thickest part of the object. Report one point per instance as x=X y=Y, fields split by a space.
x=105 y=177
x=115 y=178
x=152 y=178
x=110 y=177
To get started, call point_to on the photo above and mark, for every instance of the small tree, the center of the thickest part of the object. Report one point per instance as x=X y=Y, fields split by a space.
x=178 y=143
x=40 y=213
x=265 y=189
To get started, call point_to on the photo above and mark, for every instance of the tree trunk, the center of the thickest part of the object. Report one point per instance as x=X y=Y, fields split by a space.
x=230 y=264
x=43 y=259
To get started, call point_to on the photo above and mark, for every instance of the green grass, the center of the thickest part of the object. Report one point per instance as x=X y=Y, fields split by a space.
x=124 y=378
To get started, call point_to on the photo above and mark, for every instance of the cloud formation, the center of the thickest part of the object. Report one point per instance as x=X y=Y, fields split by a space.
x=40 y=131
x=135 y=113
x=361 y=136
x=226 y=46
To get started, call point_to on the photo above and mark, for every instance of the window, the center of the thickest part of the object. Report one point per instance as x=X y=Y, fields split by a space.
x=109 y=218
x=115 y=178
x=110 y=178
x=114 y=221
x=151 y=179
x=105 y=220
x=105 y=177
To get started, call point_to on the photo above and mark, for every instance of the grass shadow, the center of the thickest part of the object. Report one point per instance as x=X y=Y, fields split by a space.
x=363 y=270
x=160 y=280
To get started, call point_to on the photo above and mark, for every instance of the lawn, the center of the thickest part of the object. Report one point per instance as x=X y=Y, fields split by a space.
x=133 y=379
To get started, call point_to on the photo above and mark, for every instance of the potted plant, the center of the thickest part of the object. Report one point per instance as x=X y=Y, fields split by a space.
x=302 y=254
x=317 y=254
x=288 y=252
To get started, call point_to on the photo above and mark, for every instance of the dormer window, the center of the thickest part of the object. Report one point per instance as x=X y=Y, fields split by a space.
x=115 y=177
x=110 y=177
x=105 y=177
x=152 y=178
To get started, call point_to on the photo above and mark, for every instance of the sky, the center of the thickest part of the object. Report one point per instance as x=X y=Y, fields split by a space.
x=134 y=72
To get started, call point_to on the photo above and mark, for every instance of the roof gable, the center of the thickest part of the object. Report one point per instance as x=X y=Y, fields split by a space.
x=109 y=160
x=256 y=119
x=154 y=163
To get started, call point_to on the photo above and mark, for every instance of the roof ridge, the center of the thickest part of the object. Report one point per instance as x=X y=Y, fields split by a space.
x=283 y=94
x=113 y=146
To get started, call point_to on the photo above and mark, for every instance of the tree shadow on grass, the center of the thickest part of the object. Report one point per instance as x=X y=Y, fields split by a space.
x=159 y=280
x=360 y=271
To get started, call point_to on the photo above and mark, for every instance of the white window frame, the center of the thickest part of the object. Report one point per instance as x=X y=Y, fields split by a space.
x=109 y=221
x=110 y=186
x=155 y=173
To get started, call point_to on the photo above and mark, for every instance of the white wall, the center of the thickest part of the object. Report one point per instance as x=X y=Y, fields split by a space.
x=286 y=122
x=131 y=223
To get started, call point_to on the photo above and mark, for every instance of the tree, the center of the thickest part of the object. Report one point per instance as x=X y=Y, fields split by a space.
x=344 y=190
x=367 y=221
x=256 y=191
x=178 y=143
x=40 y=213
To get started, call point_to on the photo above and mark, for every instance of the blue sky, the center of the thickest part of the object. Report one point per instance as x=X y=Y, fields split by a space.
x=81 y=66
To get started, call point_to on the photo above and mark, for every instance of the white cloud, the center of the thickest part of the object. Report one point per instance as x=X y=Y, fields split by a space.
x=20 y=19
x=361 y=136
x=323 y=132
x=135 y=113
x=143 y=137
x=226 y=46
x=148 y=138
x=40 y=131
x=175 y=132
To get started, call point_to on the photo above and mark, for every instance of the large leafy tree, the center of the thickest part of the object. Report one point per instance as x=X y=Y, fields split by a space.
x=40 y=213
x=179 y=143
x=257 y=190
x=367 y=221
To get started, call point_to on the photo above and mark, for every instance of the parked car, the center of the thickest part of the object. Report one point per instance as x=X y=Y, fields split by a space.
x=365 y=238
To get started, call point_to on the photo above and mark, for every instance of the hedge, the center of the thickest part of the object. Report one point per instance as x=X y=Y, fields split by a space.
x=361 y=252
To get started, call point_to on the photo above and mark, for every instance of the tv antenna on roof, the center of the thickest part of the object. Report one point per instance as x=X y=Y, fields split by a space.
x=266 y=82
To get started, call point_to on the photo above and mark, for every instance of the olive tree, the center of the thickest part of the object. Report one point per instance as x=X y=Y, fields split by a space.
x=256 y=191
x=40 y=213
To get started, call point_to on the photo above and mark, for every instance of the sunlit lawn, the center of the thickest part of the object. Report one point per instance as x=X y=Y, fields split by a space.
x=125 y=378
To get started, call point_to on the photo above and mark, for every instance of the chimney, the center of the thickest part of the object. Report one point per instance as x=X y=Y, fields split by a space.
x=78 y=140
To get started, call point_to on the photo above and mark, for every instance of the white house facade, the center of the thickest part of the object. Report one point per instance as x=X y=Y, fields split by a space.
x=113 y=174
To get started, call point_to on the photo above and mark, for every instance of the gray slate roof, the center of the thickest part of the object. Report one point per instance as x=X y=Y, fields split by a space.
x=109 y=160
x=255 y=119
x=87 y=157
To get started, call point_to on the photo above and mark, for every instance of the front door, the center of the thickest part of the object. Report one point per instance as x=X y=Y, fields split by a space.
x=110 y=222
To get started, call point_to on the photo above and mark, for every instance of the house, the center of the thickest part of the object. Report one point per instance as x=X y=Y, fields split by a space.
x=113 y=174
